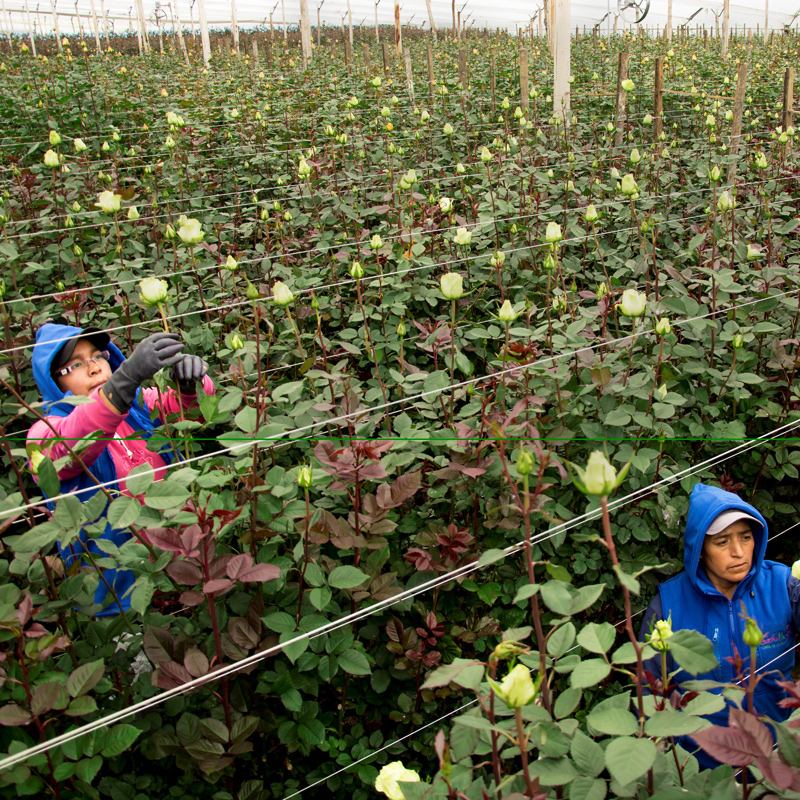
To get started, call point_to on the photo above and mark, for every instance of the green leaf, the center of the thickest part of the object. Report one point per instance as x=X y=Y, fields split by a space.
x=587 y=754
x=124 y=511
x=119 y=739
x=464 y=672
x=47 y=478
x=166 y=494
x=246 y=420
x=618 y=418
x=85 y=678
x=320 y=598
x=628 y=758
x=527 y=591
x=560 y=640
x=673 y=723
x=436 y=380
x=705 y=703
x=556 y=594
x=566 y=702
x=553 y=771
x=589 y=672
x=355 y=662
x=558 y=572
x=86 y=769
x=295 y=650
x=693 y=651
x=597 y=637
x=142 y=593
x=41 y=537
x=586 y=788
x=613 y=721
x=280 y=621
x=346 y=577
x=586 y=596
x=628 y=581
x=81 y=706
x=140 y=478
x=69 y=513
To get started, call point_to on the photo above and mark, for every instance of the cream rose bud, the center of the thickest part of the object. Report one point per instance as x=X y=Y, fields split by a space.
x=303 y=168
x=498 y=259
x=628 y=85
x=463 y=237
x=452 y=285
x=628 y=185
x=553 y=233
x=506 y=313
x=661 y=392
x=663 y=327
x=37 y=456
x=51 y=159
x=460 y=168
x=190 y=231
x=753 y=253
x=633 y=303
x=726 y=201
x=517 y=688
x=615 y=174
x=591 y=213
x=648 y=119
x=635 y=156
x=109 y=202
x=737 y=342
x=486 y=154
x=714 y=174
x=389 y=776
x=304 y=476
x=281 y=293
x=376 y=242
x=79 y=145
x=230 y=264
x=445 y=205
x=599 y=478
x=237 y=343
x=133 y=213
x=153 y=291
x=761 y=161
x=55 y=139
x=356 y=270
x=448 y=129
x=662 y=630
x=710 y=121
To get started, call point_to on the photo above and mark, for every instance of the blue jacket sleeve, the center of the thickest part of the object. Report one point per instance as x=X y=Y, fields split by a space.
x=793 y=586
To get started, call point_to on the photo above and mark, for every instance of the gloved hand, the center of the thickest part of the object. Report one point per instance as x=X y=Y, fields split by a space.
x=152 y=354
x=188 y=371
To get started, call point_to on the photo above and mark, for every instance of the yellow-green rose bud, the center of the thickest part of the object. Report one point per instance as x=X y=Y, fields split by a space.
x=356 y=270
x=153 y=291
x=109 y=202
x=591 y=214
x=463 y=237
x=524 y=459
x=553 y=233
x=752 y=633
x=517 y=689
x=190 y=231
x=662 y=630
x=737 y=342
x=237 y=343
x=628 y=185
x=389 y=775
x=627 y=85
x=281 y=293
x=133 y=214
x=663 y=327
x=304 y=476
x=633 y=303
x=599 y=478
x=448 y=129
x=51 y=159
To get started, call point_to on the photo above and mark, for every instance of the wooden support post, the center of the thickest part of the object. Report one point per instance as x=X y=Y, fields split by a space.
x=254 y=50
x=430 y=69
x=736 y=126
x=409 y=73
x=385 y=51
x=493 y=84
x=726 y=24
x=201 y=8
x=561 y=58
x=305 y=34
x=788 y=102
x=658 y=100
x=398 y=29
x=523 y=79
x=348 y=55
x=622 y=74
x=462 y=69
x=235 y=26
x=367 y=62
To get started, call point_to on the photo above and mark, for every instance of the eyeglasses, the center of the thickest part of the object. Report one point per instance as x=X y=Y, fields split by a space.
x=97 y=358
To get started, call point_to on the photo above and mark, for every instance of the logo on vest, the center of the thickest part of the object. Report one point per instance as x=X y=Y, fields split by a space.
x=775 y=639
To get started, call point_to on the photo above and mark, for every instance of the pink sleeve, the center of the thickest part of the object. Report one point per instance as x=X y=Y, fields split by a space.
x=167 y=402
x=83 y=420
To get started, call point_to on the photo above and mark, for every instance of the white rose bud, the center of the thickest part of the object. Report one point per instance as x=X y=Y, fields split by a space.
x=463 y=237
x=633 y=303
x=452 y=285
x=109 y=202
x=389 y=776
x=190 y=231
x=51 y=159
x=517 y=689
x=281 y=293
x=506 y=313
x=153 y=291
x=553 y=233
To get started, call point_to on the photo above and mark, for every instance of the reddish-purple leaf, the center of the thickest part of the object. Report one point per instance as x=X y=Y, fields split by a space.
x=165 y=539
x=159 y=644
x=217 y=585
x=218 y=566
x=242 y=634
x=24 y=610
x=195 y=662
x=403 y=488
x=12 y=715
x=777 y=772
x=728 y=745
x=185 y=572
x=756 y=729
x=190 y=539
x=170 y=675
x=191 y=597
x=35 y=631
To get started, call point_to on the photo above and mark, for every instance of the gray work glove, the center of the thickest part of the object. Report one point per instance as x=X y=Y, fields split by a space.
x=188 y=371
x=152 y=354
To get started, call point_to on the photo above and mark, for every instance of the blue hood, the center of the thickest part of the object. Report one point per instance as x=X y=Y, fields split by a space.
x=705 y=504
x=50 y=338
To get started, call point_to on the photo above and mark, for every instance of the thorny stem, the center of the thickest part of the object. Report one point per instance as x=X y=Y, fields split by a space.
x=452 y=356
x=307 y=521
x=522 y=744
x=628 y=615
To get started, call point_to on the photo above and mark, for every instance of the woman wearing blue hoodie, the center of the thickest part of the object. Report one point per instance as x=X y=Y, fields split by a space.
x=724 y=547
x=69 y=361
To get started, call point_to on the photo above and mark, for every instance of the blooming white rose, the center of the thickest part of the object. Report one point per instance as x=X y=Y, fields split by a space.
x=153 y=291
x=51 y=159
x=445 y=205
x=553 y=233
x=389 y=776
x=463 y=237
x=633 y=303
x=109 y=202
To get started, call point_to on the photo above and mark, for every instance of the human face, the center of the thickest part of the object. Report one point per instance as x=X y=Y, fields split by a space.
x=728 y=556
x=84 y=380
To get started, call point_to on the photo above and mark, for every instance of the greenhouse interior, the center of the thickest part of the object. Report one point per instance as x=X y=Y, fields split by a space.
x=274 y=521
